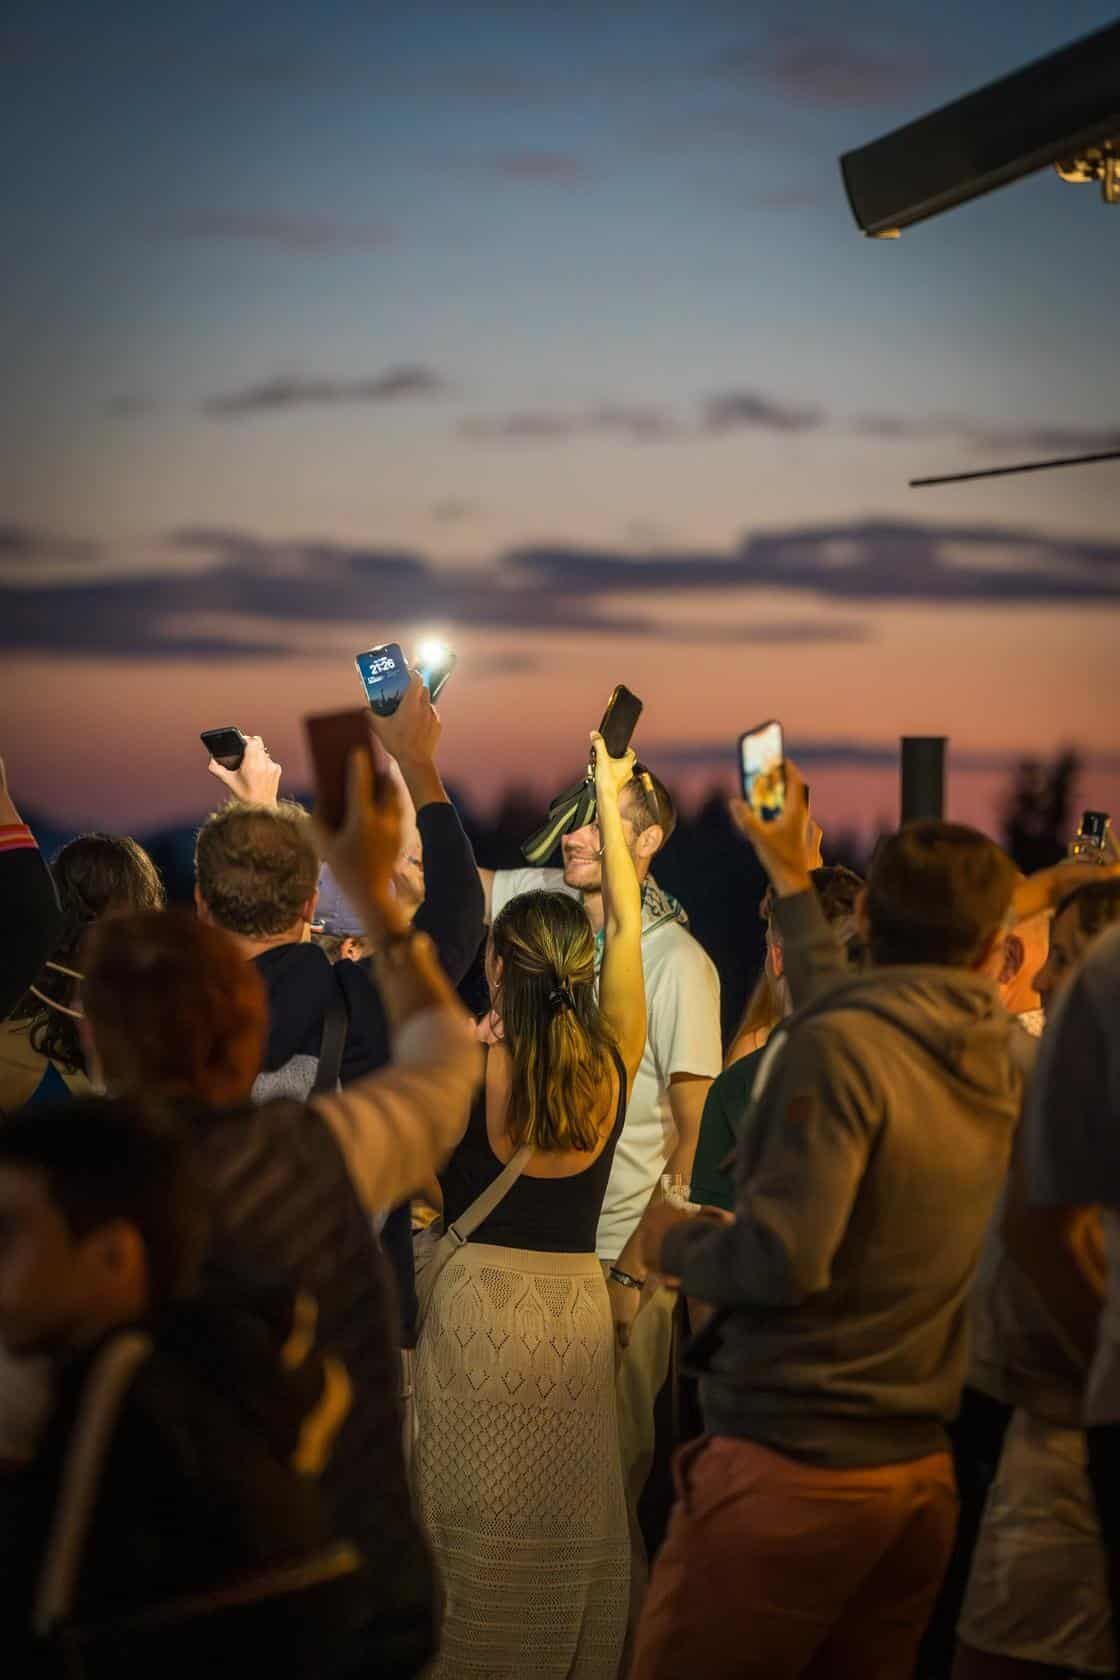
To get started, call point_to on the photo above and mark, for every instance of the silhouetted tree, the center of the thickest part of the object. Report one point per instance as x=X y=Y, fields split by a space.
x=1037 y=813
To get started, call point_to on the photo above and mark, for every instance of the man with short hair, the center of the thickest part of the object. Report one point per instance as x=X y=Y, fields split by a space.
x=258 y=877
x=817 y=1514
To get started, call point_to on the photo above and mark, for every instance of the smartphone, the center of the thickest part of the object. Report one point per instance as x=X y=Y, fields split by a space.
x=620 y=721
x=1094 y=840
x=225 y=746
x=762 y=769
x=331 y=738
x=435 y=663
x=385 y=677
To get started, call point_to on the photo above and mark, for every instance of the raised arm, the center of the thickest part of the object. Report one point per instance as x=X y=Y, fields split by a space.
x=622 y=991
x=454 y=907
x=397 y=1125
x=788 y=849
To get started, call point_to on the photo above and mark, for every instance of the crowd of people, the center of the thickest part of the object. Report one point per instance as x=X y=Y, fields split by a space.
x=348 y=1331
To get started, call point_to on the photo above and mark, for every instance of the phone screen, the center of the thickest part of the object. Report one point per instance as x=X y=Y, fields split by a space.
x=620 y=721
x=435 y=663
x=225 y=746
x=385 y=677
x=763 y=770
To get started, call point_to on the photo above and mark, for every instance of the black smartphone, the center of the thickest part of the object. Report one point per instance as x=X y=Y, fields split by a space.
x=435 y=663
x=331 y=738
x=762 y=770
x=385 y=677
x=225 y=746
x=620 y=721
x=1093 y=841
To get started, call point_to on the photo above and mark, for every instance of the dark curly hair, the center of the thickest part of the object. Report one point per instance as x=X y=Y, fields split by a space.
x=93 y=875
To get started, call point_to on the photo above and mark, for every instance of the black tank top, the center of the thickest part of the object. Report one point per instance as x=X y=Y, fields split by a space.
x=555 y=1215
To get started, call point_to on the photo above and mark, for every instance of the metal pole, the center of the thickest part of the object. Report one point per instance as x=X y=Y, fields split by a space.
x=923 y=777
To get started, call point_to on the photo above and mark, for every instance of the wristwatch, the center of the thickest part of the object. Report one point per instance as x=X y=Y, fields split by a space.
x=625 y=1279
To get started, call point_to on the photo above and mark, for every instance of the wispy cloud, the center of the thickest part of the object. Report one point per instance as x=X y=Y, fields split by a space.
x=832 y=70
x=724 y=411
x=29 y=545
x=292 y=391
x=299 y=587
x=862 y=562
x=305 y=233
x=453 y=510
x=751 y=410
x=997 y=439
x=562 y=169
x=636 y=422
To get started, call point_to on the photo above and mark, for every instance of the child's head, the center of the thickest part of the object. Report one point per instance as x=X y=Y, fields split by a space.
x=102 y=1220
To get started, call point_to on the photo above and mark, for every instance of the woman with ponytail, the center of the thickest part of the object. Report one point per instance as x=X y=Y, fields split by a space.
x=40 y=1050
x=517 y=1463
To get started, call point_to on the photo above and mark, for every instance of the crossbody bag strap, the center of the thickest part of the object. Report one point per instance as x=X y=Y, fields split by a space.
x=332 y=1044
x=483 y=1206
x=105 y=1388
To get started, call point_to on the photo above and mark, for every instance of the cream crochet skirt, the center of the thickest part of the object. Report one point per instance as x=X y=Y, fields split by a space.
x=518 y=1470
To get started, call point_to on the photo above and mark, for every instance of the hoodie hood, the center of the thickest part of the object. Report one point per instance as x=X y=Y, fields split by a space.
x=955 y=1016
x=299 y=980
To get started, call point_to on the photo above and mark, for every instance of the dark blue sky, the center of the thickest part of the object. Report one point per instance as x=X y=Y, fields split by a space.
x=293 y=289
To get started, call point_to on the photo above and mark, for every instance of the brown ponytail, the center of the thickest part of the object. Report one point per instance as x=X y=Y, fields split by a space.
x=558 y=1041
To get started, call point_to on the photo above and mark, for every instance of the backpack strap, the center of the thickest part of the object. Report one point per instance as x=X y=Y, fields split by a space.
x=98 y=1410
x=336 y=1021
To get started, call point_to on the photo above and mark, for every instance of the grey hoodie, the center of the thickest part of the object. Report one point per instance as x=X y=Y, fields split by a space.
x=867 y=1174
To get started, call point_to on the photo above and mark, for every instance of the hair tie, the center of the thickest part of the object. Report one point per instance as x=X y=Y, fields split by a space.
x=561 y=996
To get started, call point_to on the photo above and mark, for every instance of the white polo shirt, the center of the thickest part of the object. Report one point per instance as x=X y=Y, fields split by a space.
x=682 y=1036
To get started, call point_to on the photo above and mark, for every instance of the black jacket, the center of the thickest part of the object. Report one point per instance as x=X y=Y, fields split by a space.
x=197 y=1487
x=299 y=979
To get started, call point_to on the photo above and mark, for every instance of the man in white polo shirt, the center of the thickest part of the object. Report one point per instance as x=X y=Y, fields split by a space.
x=683 y=1055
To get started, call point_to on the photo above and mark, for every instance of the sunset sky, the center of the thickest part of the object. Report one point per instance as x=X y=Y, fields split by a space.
x=546 y=327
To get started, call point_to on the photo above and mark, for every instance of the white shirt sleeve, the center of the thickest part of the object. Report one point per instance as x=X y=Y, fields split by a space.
x=683 y=1005
x=510 y=883
x=397 y=1126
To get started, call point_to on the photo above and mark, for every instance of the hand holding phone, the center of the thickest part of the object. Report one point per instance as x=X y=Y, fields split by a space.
x=226 y=746
x=357 y=819
x=762 y=770
x=785 y=844
x=385 y=677
x=620 y=721
x=1095 y=841
x=331 y=738
x=435 y=663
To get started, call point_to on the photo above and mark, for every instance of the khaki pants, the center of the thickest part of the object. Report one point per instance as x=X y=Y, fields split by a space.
x=774 y=1569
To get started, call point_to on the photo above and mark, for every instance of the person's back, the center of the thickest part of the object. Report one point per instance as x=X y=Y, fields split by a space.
x=172 y=1007
x=867 y=1173
x=196 y=1424
x=311 y=1232
x=866 y=1322
x=517 y=1455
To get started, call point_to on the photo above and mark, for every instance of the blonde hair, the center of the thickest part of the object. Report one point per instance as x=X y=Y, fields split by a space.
x=559 y=1043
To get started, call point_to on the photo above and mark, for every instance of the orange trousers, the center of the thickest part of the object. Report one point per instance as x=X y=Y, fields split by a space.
x=777 y=1569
